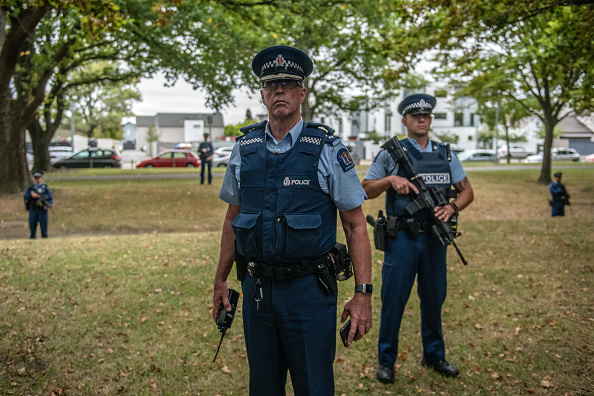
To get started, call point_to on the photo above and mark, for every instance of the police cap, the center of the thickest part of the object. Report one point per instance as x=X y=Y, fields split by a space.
x=558 y=174
x=417 y=104
x=37 y=173
x=282 y=63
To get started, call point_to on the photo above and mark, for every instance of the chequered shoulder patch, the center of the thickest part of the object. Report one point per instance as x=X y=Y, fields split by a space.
x=244 y=142
x=311 y=139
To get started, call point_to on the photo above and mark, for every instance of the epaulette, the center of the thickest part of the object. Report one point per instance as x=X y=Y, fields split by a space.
x=250 y=128
x=329 y=131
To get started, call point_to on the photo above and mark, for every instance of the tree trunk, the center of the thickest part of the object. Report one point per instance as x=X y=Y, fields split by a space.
x=306 y=110
x=13 y=165
x=14 y=175
x=40 y=140
x=545 y=171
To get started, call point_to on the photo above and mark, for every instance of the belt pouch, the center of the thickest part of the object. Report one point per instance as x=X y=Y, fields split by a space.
x=326 y=279
x=380 y=234
x=241 y=265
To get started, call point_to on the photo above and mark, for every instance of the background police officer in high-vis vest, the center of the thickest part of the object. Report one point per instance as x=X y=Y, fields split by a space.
x=284 y=183
x=414 y=252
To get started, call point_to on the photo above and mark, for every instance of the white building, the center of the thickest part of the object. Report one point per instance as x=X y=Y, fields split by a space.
x=452 y=117
x=174 y=128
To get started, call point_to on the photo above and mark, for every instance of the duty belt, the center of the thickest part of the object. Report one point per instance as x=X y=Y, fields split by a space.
x=284 y=271
x=396 y=224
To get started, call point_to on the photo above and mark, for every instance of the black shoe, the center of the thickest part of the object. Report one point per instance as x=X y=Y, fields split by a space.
x=385 y=374
x=442 y=367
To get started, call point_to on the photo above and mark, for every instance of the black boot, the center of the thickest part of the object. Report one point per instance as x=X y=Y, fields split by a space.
x=442 y=367
x=385 y=374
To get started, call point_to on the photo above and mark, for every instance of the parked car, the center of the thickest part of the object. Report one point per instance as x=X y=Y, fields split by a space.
x=171 y=159
x=557 y=154
x=456 y=149
x=516 y=152
x=183 y=146
x=92 y=158
x=58 y=153
x=476 y=155
x=589 y=158
x=221 y=156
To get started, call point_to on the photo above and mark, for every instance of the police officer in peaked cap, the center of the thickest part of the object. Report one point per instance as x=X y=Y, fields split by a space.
x=413 y=252
x=38 y=199
x=285 y=181
x=559 y=196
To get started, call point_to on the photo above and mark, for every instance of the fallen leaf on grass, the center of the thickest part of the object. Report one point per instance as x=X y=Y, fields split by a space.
x=226 y=370
x=479 y=326
x=546 y=384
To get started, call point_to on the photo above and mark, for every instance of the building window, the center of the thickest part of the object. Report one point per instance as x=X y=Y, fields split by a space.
x=472 y=119
x=470 y=138
x=441 y=93
x=458 y=119
x=388 y=127
x=440 y=116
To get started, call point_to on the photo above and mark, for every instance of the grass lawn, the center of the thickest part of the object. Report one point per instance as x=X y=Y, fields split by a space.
x=117 y=301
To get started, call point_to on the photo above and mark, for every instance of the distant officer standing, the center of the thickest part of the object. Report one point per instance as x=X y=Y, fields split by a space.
x=38 y=199
x=284 y=183
x=559 y=195
x=413 y=252
x=205 y=150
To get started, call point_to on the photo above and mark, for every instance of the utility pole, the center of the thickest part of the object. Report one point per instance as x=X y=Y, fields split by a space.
x=71 y=124
x=495 y=136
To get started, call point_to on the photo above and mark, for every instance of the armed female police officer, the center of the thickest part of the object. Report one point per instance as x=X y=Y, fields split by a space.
x=38 y=199
x=284 y=183
x=414 y=252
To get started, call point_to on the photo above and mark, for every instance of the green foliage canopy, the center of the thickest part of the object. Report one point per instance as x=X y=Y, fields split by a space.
x=540 y=58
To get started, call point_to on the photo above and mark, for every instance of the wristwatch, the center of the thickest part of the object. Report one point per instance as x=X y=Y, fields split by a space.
x=455 y=207
x=365 y=288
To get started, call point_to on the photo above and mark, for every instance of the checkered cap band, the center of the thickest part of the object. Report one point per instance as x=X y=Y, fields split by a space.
x=287 y=65
x=421 y=104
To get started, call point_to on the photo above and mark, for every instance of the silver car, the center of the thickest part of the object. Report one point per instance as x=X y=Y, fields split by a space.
x=557 y=154
x=221 y=156
x=58 y=153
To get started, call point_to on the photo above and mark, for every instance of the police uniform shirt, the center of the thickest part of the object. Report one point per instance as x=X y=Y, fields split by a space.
x=383 y=165
x=342 y=184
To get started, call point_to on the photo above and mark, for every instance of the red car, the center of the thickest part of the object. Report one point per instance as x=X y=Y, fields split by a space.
x=172 y=159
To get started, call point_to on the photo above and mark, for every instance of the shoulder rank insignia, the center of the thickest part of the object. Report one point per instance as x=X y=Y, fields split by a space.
x=250 y=128
x=329 y=131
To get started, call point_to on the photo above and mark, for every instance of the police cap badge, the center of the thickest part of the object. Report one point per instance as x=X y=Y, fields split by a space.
x=37 y=173
x=282 y=63
x=417 y=104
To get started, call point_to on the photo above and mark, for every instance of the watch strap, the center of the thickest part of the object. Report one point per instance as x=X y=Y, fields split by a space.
x=454 y=206
x=364 y=288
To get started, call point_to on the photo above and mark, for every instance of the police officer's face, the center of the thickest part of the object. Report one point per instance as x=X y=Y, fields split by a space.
x=417 y=124
x=284 y=100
